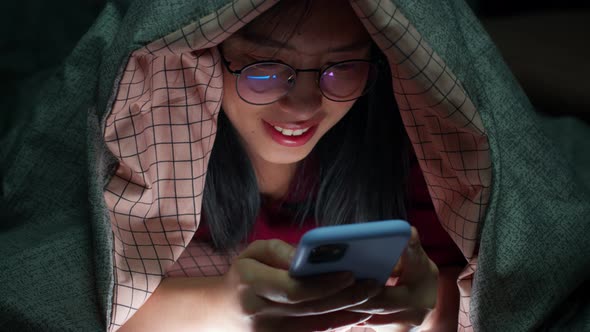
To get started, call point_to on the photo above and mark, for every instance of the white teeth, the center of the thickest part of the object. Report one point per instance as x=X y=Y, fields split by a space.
x=290 y=132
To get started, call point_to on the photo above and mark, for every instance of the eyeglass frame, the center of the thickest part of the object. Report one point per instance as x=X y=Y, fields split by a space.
x=319 y=71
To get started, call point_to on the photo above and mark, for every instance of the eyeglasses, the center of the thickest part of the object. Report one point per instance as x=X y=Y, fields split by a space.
x=264 y=82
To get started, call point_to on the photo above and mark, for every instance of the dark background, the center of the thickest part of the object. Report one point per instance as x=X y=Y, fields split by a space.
x=547 y=46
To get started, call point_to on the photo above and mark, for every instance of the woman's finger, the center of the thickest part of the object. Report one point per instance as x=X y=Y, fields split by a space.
x=277 y=286
x=349 y=297
x=327 y=322
x=395 y=299
x=416 y=265
x=416 y=287
x=275 y=253
x=408 y=317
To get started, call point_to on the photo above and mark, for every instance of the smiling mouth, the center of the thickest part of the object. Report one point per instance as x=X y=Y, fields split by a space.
x=290 y=137
x=291 y=132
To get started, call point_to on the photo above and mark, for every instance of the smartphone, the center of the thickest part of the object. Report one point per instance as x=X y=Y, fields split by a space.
x=369 y=250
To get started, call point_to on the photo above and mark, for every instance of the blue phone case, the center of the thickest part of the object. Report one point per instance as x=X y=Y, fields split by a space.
x=371 y=249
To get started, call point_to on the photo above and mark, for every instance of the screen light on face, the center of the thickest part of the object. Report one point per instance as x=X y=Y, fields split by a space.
x=250 y=77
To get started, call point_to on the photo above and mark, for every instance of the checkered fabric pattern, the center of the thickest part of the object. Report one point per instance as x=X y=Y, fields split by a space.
x=444 y=127
x=161 y=128
x=163 y=123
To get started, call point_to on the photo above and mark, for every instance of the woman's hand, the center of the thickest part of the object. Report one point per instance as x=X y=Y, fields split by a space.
x=267 y=299
x=257 y=295
x=413 y=296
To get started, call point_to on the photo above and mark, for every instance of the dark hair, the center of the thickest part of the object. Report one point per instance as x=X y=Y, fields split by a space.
x=360 y=165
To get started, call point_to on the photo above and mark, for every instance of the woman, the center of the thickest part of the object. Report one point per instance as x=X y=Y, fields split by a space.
x=272 y=117
x=325 y=145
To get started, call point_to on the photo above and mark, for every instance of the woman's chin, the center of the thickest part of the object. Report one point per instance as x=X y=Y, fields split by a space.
x=285 y=157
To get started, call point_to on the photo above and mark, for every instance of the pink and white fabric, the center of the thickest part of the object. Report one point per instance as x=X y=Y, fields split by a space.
x=163 y=123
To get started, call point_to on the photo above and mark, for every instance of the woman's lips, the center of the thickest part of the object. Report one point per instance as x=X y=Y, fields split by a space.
x=290 y=140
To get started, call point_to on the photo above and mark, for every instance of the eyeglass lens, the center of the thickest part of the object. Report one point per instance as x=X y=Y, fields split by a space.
x=264 y=83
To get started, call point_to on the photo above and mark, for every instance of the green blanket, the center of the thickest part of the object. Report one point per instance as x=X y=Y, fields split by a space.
x=56 y=265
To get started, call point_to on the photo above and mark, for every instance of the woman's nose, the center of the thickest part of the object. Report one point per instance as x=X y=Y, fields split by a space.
x=305 y=98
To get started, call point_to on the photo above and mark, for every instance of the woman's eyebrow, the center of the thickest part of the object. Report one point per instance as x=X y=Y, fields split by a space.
x=264 y=41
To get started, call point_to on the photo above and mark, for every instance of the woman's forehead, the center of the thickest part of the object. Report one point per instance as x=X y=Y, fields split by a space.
x=326 y=26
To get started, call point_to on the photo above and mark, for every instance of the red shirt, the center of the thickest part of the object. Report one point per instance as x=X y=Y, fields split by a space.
x=270 y=224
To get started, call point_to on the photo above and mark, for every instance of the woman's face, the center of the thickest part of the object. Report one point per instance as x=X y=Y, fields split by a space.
x=285 y=131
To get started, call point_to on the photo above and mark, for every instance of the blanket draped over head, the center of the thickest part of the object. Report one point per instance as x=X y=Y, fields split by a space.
x=103 y=173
